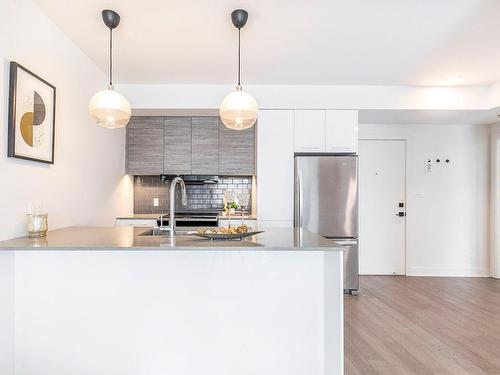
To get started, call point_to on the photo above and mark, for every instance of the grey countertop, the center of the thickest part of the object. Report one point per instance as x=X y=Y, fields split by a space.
x=129 y=238
x=238 y=217
x=155 y=216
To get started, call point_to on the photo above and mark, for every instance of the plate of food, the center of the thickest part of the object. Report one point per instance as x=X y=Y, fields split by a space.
x=230 y=233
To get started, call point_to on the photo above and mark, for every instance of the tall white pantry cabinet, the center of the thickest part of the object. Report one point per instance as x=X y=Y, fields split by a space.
x=280 y=134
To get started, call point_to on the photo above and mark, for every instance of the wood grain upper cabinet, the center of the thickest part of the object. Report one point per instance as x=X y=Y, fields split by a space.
x=144 y=155
x=205 y=145
x=341 y=134
x=309 y=131
x=177 y=145
x=236 y=151
x=185 y=145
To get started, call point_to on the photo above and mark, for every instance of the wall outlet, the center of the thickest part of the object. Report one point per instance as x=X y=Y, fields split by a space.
x=156 y=202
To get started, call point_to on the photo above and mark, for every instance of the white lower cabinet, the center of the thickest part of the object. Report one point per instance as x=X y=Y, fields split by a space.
x=123 y=222
x=275 y=151
x=275 y=224
x=224 y=222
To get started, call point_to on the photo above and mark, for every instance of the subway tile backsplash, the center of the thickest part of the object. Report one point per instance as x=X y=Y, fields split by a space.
x=199 y=196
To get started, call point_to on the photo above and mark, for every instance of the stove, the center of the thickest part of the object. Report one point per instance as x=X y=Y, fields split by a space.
x=202 y=218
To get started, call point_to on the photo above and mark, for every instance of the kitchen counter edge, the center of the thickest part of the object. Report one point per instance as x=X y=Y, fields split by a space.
x=130 y=239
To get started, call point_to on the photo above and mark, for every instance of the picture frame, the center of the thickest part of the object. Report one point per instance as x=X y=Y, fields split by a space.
x=32 y=116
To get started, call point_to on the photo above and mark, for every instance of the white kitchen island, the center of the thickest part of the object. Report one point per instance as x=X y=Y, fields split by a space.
x=89 y=300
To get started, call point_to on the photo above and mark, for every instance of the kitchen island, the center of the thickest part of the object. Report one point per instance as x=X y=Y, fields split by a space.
x=108 y=300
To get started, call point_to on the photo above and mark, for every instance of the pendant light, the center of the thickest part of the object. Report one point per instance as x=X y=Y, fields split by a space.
x=238 y=109
x=109 y=108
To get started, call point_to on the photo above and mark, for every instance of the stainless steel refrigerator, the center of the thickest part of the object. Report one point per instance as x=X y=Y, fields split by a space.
x=326 y=202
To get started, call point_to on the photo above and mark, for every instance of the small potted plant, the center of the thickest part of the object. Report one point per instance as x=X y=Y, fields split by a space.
x=232 y=206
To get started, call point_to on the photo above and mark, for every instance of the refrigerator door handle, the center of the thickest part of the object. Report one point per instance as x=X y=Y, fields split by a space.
x=301 y=199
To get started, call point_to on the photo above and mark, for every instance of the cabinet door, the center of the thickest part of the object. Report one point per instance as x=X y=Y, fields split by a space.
x=236 y=151
x=205 y=145
x=341 y=133
x=136 y=222
x=309 y=130
x=144 y=150
x=262 y=224
x=235 y=221
x=177 y=141
x=275 y=169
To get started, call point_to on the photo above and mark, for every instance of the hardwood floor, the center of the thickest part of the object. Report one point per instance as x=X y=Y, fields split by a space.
x=415 y=325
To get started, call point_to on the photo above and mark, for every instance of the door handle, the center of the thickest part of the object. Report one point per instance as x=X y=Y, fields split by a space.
x=401 y=214
x=301 y=199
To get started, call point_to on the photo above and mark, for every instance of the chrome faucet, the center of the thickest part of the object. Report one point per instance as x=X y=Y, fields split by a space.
x=173 y=184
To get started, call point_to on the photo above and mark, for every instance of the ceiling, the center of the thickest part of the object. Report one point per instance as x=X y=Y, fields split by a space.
x=313 y=42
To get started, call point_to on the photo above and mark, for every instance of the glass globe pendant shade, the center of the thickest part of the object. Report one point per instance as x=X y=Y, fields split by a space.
x=238 y=110
x=110 y=109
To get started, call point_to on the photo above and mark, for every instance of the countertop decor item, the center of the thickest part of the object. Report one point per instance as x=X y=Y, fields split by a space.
x=32 y=107
x=109 y=108
x=243 y=199
x=226 y=233
x=37 y=221
x=37 y=225
x=232 y=206
x=229 y=204
x=239 y=109
x=227 y=236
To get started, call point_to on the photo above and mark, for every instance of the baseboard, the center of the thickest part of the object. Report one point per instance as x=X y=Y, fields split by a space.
x=448 y=272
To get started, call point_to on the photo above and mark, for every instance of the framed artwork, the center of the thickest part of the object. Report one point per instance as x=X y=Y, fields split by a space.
x=32 y=107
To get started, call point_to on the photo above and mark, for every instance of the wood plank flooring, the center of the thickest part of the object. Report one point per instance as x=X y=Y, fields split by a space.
x=422 y=325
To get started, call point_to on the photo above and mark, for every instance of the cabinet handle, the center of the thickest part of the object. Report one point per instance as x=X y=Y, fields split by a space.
x=301 y=199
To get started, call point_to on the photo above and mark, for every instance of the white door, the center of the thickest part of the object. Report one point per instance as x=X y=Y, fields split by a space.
x=382 y=207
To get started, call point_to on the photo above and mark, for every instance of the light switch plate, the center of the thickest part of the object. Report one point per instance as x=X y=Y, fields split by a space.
x=428 y=167
x=156 y=202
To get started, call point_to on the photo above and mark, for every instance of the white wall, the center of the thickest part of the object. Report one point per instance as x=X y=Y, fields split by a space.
x=493 y=97
x=311 y=97
x=495 y=202
x=86 y=185
x=447 y=222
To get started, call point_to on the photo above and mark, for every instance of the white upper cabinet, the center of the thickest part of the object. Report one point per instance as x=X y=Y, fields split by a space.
x=309 y=131
x=275 y=166
x=326 y=131
x=341 y=134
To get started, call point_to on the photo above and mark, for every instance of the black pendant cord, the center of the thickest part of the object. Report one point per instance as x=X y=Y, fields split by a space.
x=239 y=57
x=110 y=57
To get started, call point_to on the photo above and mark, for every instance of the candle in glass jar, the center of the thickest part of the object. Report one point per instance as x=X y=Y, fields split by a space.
x=37 y=221
x=37 y=225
